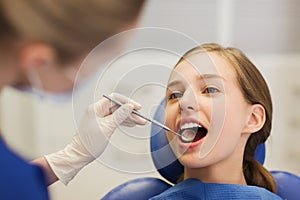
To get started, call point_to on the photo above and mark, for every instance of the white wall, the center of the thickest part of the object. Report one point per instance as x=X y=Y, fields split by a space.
x=35 y=127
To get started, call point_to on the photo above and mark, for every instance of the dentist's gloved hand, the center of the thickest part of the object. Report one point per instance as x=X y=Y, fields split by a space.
x=94 y=132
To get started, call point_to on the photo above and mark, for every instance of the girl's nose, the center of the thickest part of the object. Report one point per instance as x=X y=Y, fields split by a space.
x=188 y=101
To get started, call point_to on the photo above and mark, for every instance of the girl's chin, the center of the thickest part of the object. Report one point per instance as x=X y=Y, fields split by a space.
x=195 y=162
x=192 y=163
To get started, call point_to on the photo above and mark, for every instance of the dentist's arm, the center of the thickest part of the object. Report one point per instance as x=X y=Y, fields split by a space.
x=94 y=132
x=49 y=173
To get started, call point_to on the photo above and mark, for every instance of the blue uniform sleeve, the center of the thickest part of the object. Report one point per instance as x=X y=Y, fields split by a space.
x=18 y=179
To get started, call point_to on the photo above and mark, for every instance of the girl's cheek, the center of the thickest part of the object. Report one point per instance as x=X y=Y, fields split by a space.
x=170 y=118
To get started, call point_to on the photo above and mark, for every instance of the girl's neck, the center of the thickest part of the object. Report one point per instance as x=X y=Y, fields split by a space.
x=228 y=171
x=217 y=175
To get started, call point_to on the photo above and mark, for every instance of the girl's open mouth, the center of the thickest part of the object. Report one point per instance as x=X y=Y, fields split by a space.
x=192 y=132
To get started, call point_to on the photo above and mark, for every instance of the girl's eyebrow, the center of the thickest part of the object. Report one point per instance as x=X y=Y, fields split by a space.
x=172 y=83
x=211 y=76
x=201 y=77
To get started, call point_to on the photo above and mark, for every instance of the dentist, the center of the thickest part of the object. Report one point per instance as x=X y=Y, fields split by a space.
x=41 y=42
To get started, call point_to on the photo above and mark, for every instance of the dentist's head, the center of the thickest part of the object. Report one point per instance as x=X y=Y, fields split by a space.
x=44 y=42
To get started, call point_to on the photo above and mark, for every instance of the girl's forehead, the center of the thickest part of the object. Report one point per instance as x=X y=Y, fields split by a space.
x=205 y=63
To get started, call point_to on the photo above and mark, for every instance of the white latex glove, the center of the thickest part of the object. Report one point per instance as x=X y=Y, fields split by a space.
x=94 y=132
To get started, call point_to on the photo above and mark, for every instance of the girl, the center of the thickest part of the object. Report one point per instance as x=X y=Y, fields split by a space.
x=219 y=95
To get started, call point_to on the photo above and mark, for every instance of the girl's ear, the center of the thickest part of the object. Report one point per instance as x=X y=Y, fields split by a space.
x=35 y=55
x=256 y=119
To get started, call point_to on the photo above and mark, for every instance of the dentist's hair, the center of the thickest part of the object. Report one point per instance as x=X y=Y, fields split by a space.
x=70 y=26
x=255 y=90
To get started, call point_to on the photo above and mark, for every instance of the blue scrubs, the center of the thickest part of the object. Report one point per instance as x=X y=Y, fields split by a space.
x=18 y=179
x=195 y=189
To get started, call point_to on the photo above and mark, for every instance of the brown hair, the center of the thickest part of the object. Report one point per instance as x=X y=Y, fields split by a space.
x=255 y=91
x=70 y=26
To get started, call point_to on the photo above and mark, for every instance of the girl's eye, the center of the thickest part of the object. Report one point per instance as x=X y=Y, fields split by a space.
x=210 y=90
x=175 y=95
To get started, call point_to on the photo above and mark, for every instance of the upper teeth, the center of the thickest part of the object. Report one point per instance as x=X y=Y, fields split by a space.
x=189 y=125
